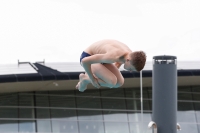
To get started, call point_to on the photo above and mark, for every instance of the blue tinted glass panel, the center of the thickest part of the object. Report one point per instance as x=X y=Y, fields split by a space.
x=43 y=126
x=139 y=127
x=198 y=126
x=188 y=128
x=116 y=127
x=89 y=115
x=91 y=127
x=26 y=126
x=138 y=116
x=64 y=126
x=115 y=116
x=198 y=116
x=186 y=116
x=8 y=126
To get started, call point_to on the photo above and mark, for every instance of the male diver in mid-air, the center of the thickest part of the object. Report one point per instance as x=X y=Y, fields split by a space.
x=102 y=60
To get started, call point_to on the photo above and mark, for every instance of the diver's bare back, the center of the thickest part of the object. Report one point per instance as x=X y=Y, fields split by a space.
x=105 y=46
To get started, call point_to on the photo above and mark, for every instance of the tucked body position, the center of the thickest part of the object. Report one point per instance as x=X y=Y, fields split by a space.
x=102 y=60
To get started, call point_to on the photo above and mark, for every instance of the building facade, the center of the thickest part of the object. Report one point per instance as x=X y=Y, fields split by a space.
x=31 y=104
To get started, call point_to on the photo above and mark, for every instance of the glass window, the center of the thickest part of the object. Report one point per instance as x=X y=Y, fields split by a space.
x=26 y=126
x=64 y=114
x=198 y=116
x=183 y=106
x=119 y=92
x=188 y=128
x=9 y=99
x=42 y=113
x=186 y=112
x=26 y=99
x=8 y=126
x=150 y=93
x=140 y=127
x=64 y=126
x=197 y=106
x=150 y=104
x=8 y=112
x=59 y=92
x=133 y=104
x=62 y=101
x=56 y=111
x=186 y=116
x=116 y=127
x=185 y=96
x=196 y=88
x=89 y=99
x=196 y=96
x=86 y=102
x=26 y=113
x=198 y=126
x=119 y=116
x=135 y=93
x=184 y=89
x=137 y=116
x=91 y=127
x=109 y=103
x=43 y=126
x=113 y=105
x=60 y=105
x=90 y=114
x=43 y=121
x=90 y=93
x=42 y=99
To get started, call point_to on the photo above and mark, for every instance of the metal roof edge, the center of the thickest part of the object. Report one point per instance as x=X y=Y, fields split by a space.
x=45 y=75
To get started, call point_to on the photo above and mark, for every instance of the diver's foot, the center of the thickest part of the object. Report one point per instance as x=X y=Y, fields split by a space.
x=82 y=84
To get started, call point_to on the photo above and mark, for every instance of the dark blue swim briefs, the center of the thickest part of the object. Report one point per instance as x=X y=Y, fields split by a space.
x=83 y=55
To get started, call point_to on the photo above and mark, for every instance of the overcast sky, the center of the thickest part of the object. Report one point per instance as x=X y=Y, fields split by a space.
x=59 y=30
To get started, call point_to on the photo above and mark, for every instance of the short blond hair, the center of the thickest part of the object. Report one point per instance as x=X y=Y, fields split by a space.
x=138 y=60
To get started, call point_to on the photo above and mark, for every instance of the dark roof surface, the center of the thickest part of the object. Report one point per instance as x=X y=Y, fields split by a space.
x=43 y=72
